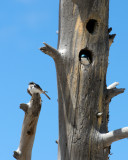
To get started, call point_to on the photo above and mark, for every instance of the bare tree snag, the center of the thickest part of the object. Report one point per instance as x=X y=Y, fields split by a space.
x=32 y=111
x=113 y=136
x=47 y=49
x=111 y=37
x=112 y=91
x=83 y=97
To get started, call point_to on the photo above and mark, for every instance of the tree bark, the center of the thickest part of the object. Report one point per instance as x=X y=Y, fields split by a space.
x=32 y=111
x=83 y=96
x=83 y=26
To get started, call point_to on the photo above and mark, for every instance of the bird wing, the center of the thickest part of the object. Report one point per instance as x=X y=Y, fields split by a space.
x=44 y=92
x=37 y=86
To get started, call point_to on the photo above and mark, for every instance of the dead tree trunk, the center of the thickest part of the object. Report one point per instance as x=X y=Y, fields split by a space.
x=32 y=111
x=81 y=63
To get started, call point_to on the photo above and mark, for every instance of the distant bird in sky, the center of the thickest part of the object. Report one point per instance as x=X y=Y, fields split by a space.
x=35 y=88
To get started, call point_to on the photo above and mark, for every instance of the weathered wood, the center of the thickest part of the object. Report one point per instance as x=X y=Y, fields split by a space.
x=113 y=136
x=110 y=93
x=111 y=39
x=32 y=111
x=83 y=25
x=47 y=49
x=83 y=97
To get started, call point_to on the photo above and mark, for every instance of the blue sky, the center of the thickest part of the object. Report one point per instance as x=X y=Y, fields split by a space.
x=24 y=25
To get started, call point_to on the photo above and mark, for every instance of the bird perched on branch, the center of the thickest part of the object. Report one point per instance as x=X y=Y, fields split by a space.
x=35 y=88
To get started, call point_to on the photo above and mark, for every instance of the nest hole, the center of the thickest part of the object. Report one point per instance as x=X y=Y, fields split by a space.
x=85 y=56
x=92 y=25
x=29 y=132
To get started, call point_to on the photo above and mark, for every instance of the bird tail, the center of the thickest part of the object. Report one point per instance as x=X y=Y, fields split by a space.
x=44 y=92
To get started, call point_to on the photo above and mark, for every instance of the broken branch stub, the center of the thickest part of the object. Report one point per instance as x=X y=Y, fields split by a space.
x=52 y=52
x=32 y=111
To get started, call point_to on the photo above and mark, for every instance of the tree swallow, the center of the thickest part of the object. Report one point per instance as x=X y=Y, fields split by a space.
x=35 y=88
x=85 y=59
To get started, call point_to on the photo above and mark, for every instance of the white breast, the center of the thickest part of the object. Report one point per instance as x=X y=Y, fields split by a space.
x=85 y=61
x=33 y=89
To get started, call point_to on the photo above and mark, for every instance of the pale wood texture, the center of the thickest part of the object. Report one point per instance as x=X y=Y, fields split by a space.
x=32 y=111
x=83 y=96
x=81 y=88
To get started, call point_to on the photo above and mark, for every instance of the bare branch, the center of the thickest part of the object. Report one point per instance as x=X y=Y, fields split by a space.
x=24 y=107
x=109 y=138
x=32 y=110
x=47 y=49
x=109 y=29
x=111 y=38
x=113 y=85
x=112 y=91
x=16 y=155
